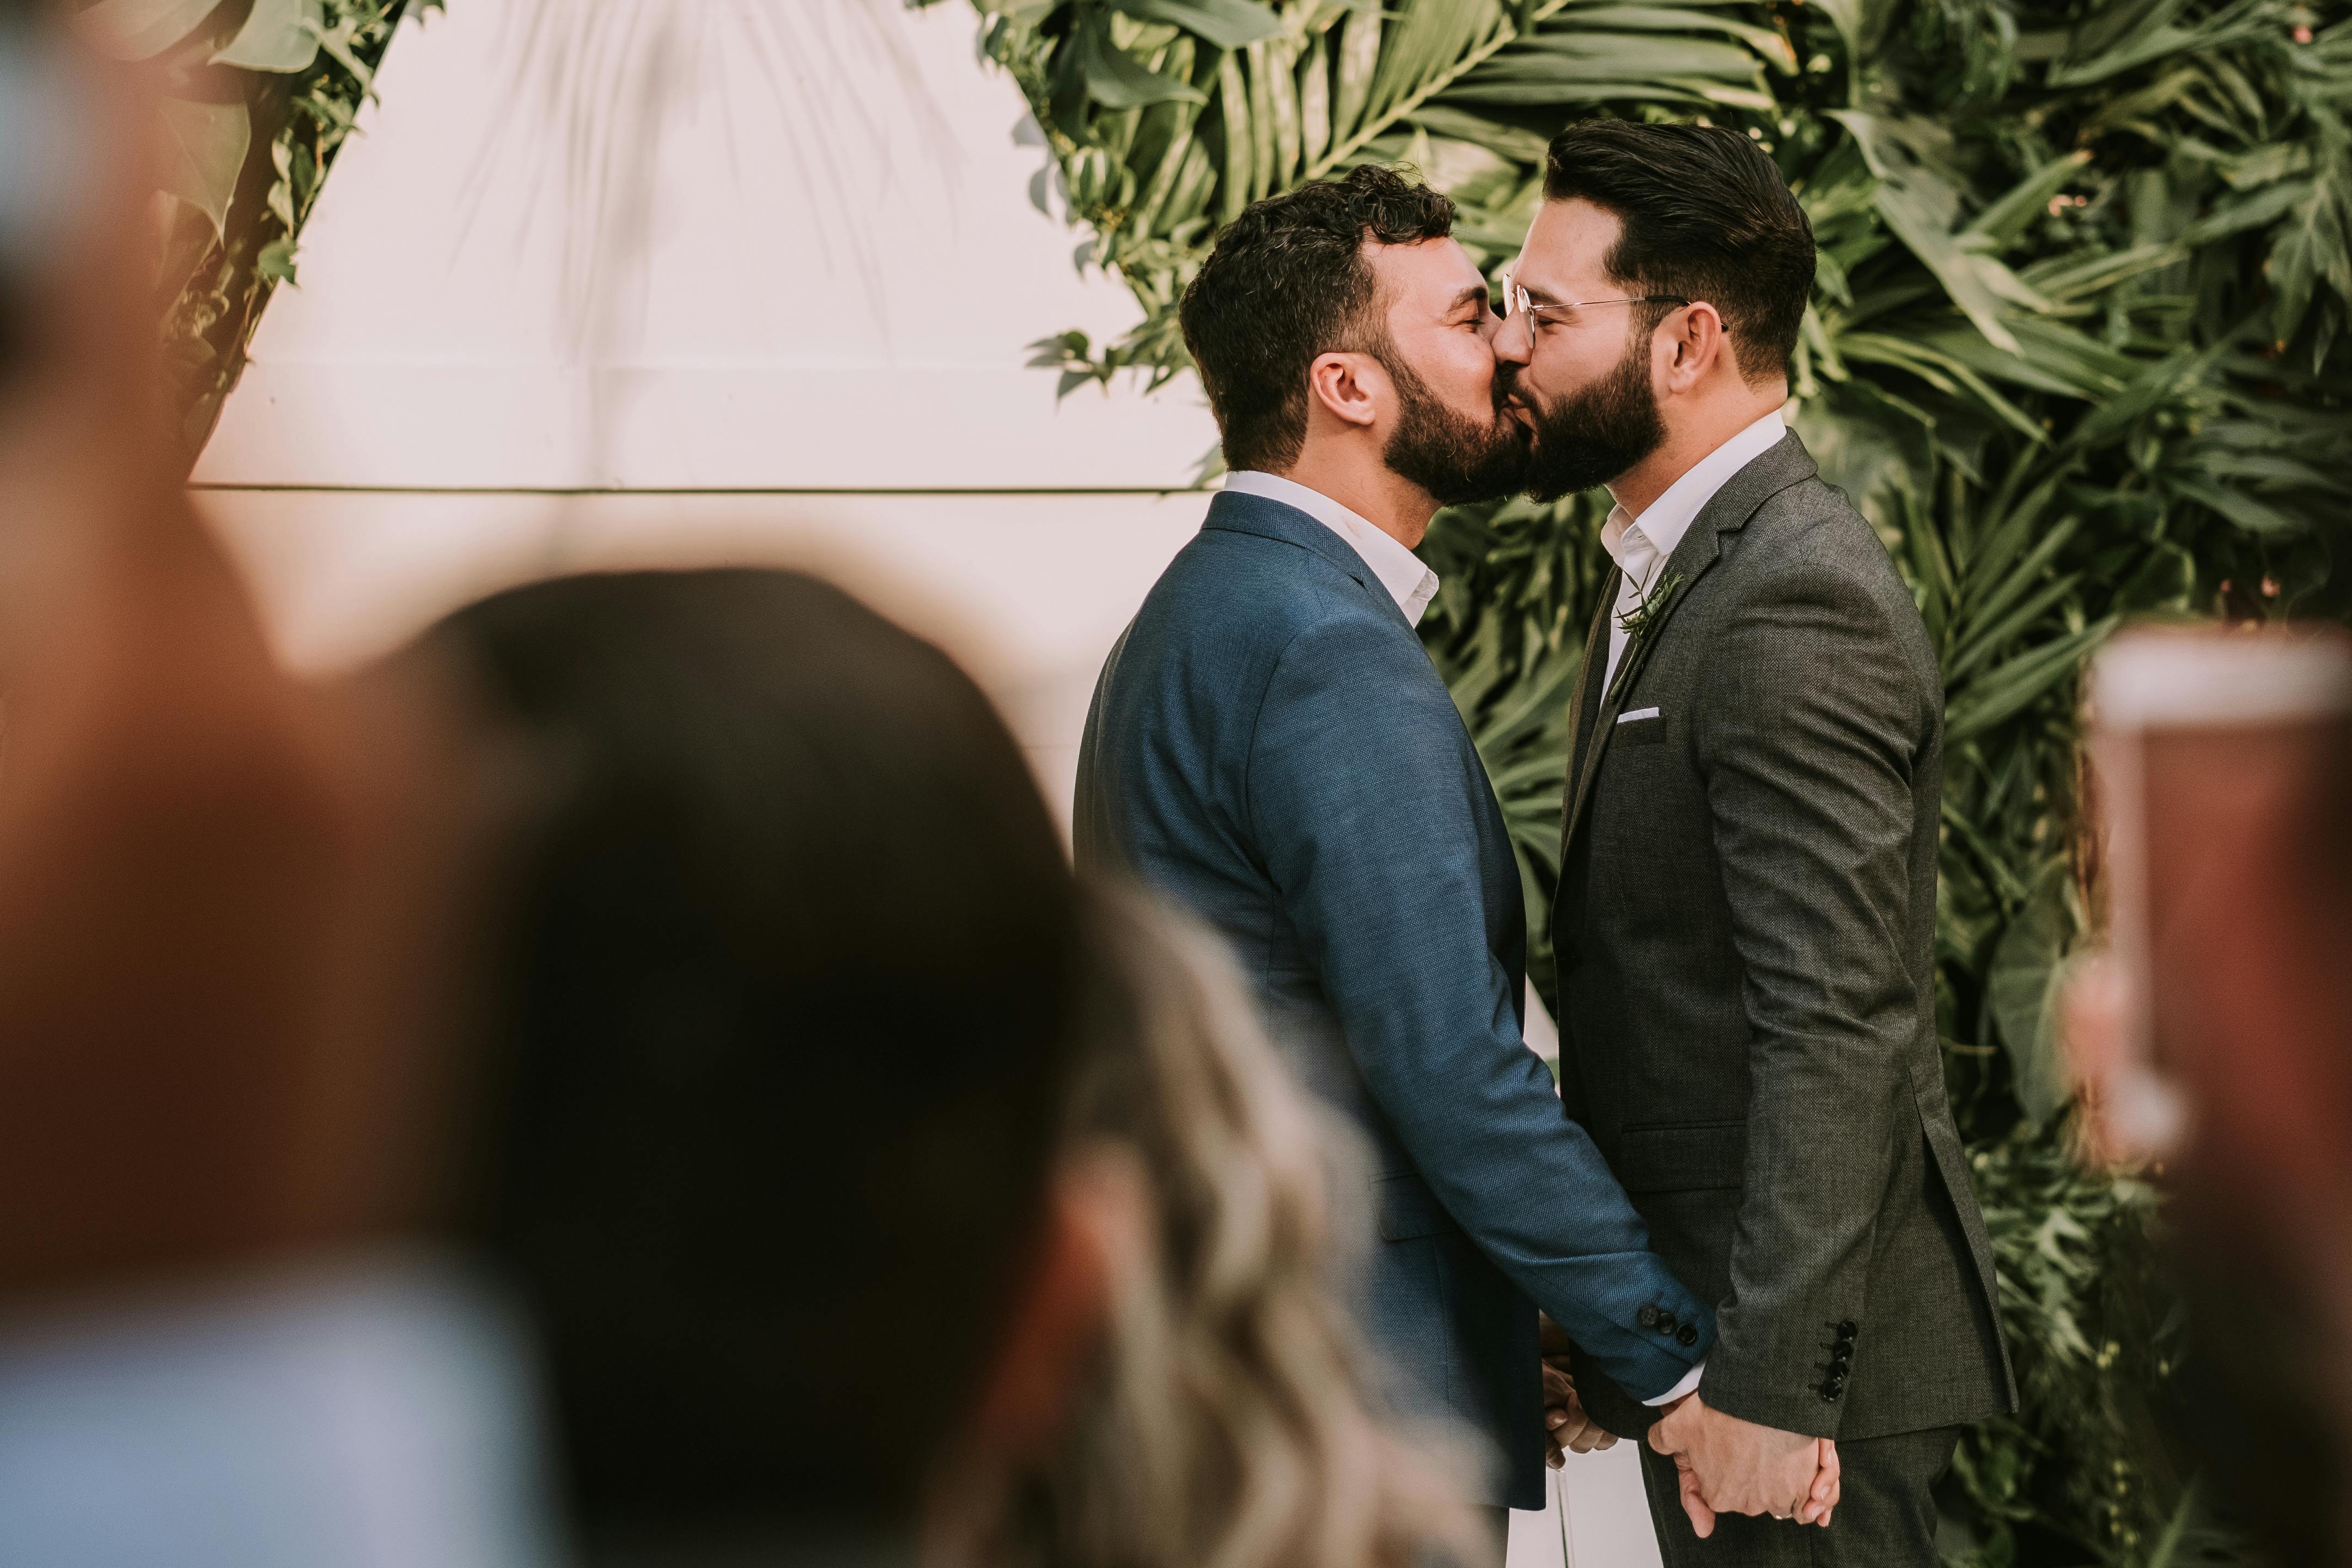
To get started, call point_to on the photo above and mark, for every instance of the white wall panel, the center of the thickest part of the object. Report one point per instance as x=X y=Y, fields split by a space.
x=691 y=244
x=1028 y=591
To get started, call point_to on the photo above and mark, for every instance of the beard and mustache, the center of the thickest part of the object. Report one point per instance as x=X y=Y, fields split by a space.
x=1589 y=438
x=1455 y=457
x=1574 y=443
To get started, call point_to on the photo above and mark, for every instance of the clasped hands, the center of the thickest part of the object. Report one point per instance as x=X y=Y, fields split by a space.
x=1725 y=1465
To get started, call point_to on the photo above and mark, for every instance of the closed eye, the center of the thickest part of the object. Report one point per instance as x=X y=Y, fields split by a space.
x=1471 y=304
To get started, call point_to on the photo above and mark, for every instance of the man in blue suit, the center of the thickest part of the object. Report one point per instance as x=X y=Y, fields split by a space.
x=1269 y=744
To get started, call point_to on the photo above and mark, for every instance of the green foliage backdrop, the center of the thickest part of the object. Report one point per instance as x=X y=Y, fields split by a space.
x=2077 y=350
x=259 y=96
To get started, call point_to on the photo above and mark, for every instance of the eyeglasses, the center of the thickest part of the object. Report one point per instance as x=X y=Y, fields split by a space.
x=1516 y=302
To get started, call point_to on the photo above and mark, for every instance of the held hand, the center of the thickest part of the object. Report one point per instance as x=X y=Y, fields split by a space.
x=1726 y=1464
x=1566 y=1428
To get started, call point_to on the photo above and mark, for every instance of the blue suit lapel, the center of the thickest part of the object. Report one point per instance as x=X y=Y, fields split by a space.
x=1235 y=513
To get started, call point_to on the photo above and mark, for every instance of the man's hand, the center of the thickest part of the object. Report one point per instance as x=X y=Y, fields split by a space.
x=1726 y=1464
x=1566 y=1428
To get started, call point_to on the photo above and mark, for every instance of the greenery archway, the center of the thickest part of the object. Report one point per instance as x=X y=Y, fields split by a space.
x=2077 y=350
x=259 y=96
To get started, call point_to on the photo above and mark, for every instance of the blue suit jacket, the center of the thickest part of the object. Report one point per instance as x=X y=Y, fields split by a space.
x=1270 y=746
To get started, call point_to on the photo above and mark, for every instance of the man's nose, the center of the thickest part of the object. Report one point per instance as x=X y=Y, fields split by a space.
x=1511 y=341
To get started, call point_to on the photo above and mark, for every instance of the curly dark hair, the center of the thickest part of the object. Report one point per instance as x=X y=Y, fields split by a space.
x=1706 y=215
x=1287 y=281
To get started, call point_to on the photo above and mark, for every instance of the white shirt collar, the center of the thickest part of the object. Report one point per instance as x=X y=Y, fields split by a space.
x=1410 y=582
x=1668 y=518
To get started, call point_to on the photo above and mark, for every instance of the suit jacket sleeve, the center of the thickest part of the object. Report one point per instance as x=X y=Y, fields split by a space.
x=1809 y=749
x=1362 y=796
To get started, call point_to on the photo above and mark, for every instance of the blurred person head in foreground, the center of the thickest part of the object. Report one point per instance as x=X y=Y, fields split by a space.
x=224 y=1096
x=1232 y=1416
x=783 y=970
x=2214 y=1039
x=206 y=956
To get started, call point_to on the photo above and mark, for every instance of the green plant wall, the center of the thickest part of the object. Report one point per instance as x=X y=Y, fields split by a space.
x=2077 y=351
x=259 y=94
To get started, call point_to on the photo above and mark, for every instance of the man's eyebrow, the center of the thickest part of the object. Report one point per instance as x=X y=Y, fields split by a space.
x=1472 y=292
x=1540 y=296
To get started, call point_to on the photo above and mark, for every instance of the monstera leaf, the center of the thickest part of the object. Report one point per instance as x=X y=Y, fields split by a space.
x=281 y=36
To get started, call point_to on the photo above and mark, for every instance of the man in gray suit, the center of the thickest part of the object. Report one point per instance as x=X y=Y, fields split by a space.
x=1269 y=744
x=1745 y=920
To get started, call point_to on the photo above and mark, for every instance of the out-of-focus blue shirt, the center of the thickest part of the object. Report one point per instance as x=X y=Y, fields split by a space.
x=376 y=1413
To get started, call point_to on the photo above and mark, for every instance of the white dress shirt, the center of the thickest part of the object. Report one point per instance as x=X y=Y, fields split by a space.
x=1641 y=545
x=1411 y=584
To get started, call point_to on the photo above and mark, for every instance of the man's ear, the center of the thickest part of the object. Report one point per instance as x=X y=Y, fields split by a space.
x=1348 y=386
x=1695 y=343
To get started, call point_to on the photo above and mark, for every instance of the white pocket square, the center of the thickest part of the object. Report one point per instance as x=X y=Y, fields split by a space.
x=1637 y=713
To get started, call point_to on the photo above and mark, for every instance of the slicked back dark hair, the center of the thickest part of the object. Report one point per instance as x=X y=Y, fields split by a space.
x=1287 y=281
x=1706 y=216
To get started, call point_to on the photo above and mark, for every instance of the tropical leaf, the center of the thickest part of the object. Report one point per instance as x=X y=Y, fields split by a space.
x=1228 y=24
x=143 y=29
x=2021 y=987
x=204 y=147
x=1114 y=78
x=278 y=36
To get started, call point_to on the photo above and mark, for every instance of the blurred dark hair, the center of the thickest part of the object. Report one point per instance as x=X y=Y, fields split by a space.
x=1708 y=216
x=785 y=976
x=1287 y=281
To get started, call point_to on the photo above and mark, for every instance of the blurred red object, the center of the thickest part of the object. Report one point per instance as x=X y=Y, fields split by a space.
x=2225 y=762
x=2214 y=1039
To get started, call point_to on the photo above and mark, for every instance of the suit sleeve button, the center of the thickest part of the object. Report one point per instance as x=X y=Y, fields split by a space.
x=1687 y=1335
x=1647 y=1317
x=1845 y=1331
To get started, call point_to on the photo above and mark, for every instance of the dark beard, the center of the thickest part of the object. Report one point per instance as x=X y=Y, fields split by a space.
x=1449 y=454
x=1591 y=437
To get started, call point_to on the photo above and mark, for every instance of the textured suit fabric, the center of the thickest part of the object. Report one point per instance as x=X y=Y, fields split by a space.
x=1746 y=993
x=1269 y=744
x=1886 y=1516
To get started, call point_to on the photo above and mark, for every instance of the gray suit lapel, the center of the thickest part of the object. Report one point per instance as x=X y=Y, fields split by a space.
x=1584 y=708
x=1786 y=462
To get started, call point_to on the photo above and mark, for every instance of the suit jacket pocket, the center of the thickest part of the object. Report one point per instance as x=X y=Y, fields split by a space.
x=1409 y=1209
x=1683 y=1159
x=1650 y=730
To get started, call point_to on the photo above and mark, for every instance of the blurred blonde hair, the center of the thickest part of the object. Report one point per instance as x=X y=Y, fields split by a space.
x=1234 y=1419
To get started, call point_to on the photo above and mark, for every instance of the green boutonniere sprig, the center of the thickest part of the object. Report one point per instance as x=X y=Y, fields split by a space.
x=1641 y=620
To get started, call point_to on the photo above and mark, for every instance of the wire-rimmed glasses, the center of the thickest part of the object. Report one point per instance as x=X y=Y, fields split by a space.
x=1517 y=301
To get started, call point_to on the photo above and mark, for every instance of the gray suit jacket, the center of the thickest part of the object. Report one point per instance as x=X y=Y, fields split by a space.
x=1745 y=927
x=1270 y=746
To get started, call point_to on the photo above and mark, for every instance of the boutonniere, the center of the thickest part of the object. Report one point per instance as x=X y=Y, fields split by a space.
x=1643 y=620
